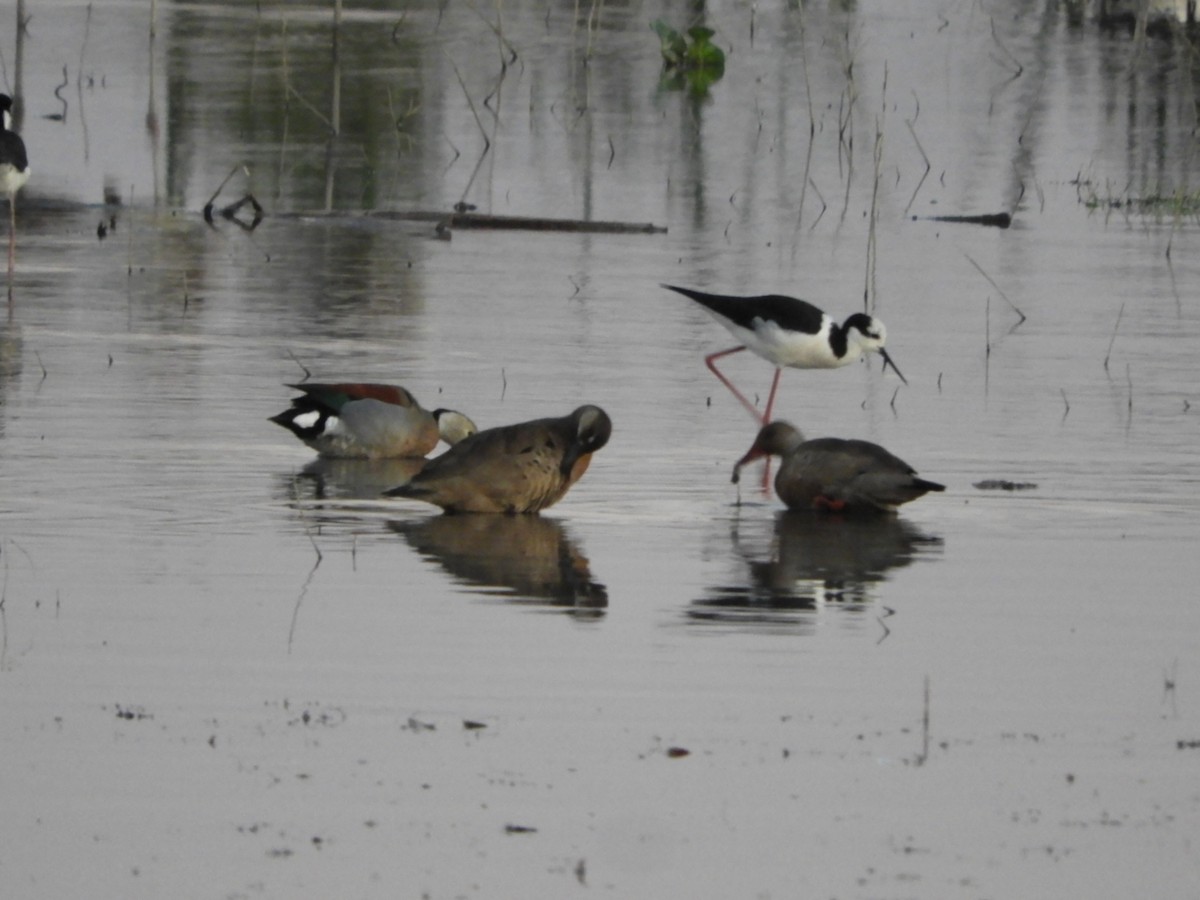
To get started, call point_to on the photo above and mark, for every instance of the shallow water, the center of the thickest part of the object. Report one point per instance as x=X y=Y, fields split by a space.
x=228 y=669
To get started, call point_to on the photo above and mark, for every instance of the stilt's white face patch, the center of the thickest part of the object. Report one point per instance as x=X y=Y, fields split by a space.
x=307 y=420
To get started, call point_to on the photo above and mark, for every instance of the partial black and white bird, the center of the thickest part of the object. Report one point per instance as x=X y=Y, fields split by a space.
x=14 y=172
x=358 y=420
x=788 y=332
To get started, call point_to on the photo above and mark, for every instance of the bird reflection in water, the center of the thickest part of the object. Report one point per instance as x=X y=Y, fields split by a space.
x=353 y=479
x=520 y=558
x=812 y=560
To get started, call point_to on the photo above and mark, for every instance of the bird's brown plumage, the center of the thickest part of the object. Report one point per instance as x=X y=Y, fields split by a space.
x=520 y=468
x=835 y=474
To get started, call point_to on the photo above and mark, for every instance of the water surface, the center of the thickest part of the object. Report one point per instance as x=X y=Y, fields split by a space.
x=228 y=669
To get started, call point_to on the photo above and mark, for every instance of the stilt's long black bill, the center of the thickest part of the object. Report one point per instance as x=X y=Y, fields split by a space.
x=887 y=361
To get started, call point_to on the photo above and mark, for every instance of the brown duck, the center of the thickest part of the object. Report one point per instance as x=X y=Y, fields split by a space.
x=519 y=468
x=834 y=474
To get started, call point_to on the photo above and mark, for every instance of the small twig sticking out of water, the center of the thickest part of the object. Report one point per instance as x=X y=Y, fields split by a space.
x=38 y=356
x=129 y=246
x=303 y=367
x=221 y=186
x=487 y=141
x=1011 y=58
x=812 y=130
x=924 y=755
x=503 y=383
x=869 y=286
x=185 y=292
x=824 y=205
x=1066 y=405
x=987 y=327
x=612 y=152
x=87 y=30
x=939 y=382
x=1168 y=683
x=497 y=29
x=593 y=17
x=1113 y=339
x=888 y=612
x=928 y=165
x=1129 y=381
x=57 y=117
x=895 y=393
x=303 y=593
x=979 y=268
x=987 y=343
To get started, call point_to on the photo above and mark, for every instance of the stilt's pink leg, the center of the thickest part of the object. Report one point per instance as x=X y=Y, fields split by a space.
x=766 y=485
x=762 y=418
x=766 y=419
x=710 y=361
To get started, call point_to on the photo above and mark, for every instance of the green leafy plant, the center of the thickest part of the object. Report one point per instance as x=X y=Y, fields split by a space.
x=694 y=61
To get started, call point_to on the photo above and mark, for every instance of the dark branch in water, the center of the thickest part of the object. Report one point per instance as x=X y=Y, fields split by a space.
x=467 y=219
x=994 y=220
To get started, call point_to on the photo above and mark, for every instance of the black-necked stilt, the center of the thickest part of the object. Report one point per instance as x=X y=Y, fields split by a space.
x=14 y=172
x=835 y=475
x=789 y=332
x=369 y=421
x=519 y=468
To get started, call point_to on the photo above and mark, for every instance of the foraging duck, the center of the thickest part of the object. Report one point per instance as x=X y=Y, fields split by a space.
x=834 y=474
x=520 y=468
x=369 y=421
x=788 y=332
x=14 y=172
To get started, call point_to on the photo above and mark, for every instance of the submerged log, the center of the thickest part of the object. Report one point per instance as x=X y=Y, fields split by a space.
x=541 y=223
x=475 y=220
x=995 y=220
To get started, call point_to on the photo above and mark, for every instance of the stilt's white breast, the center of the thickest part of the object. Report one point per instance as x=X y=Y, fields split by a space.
x=796 y=349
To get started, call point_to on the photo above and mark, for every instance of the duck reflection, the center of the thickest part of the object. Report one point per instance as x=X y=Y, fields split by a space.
x=522 y=558
x=353 y=479
x=809 y=560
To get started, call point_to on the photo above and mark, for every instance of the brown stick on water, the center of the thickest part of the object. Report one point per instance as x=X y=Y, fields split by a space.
x=482 y=220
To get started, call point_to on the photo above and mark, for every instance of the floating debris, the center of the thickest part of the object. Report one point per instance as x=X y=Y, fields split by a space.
x=992 y=220
x=132 y=713
x=1003 y=484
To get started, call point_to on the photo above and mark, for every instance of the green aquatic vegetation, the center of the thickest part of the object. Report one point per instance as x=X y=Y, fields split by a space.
x=693 y=61
x=1177 y=203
